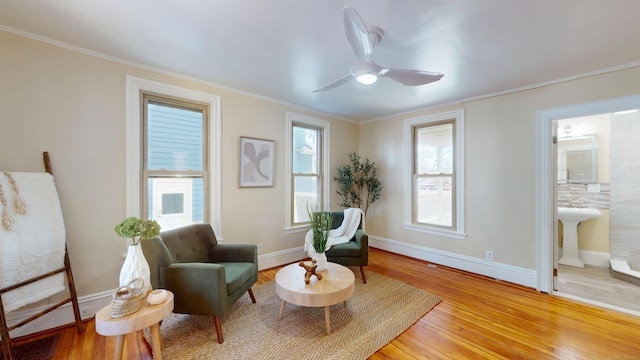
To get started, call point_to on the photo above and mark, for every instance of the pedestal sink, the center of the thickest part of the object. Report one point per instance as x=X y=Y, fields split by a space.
x=570 y=218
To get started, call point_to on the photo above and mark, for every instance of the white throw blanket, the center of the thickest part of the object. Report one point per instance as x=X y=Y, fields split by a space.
x=35 y=244
x=341 y=235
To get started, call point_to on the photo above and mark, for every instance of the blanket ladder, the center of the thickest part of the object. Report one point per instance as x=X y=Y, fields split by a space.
x=7 y=342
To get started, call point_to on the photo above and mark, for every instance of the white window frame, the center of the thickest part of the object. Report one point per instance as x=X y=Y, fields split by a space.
x=292 y=119
x=457 y=232
x=133 y=171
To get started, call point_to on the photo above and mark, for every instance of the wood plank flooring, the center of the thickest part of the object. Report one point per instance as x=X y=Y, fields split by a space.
x=478 y=318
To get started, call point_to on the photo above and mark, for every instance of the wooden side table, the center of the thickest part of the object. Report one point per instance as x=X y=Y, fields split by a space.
x=148 y=316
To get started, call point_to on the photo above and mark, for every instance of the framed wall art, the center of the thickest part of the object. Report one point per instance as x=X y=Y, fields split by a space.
x=256 y=162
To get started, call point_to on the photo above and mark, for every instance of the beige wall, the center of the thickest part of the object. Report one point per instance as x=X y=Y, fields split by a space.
x=73 y=105
x=500 y=178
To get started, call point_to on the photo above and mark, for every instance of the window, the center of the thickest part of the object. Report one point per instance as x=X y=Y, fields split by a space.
x=174 y=174
x=307 y=154
x=434 y=174
x=173 y=155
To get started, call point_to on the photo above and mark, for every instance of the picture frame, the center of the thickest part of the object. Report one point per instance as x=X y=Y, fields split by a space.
x=256 y=162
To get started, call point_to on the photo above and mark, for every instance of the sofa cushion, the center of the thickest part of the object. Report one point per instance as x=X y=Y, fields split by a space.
x=237 y=274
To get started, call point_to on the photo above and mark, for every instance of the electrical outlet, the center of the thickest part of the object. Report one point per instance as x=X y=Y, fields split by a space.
x=86 y=311
x=488 y=255
x=259 y=248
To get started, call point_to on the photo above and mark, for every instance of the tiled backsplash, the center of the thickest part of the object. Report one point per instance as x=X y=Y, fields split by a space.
x=577 y=195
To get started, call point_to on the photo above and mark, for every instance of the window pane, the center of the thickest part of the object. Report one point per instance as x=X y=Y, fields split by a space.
x=434 y=149
x=172 y=203
x=174 y=138
x=305 y=197
x=305 y=150
x=434 y=200
x=176 y=201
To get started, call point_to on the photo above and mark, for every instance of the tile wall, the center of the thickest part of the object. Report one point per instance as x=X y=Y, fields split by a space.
x=625 y=187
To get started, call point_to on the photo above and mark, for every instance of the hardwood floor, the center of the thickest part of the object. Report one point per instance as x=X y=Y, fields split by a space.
x=478 y=318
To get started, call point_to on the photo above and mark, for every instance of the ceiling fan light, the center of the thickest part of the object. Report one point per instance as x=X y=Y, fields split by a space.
x=367 y=78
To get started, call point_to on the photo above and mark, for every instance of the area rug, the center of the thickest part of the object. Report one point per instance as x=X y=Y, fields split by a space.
x=41 y=349
x=377 y=313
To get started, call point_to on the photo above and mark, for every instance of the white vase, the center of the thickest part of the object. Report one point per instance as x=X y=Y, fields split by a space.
x=135 y=266
x=321 y=261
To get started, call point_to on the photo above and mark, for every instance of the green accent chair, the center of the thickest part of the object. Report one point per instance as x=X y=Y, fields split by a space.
x=353 y=253
x=205 y=277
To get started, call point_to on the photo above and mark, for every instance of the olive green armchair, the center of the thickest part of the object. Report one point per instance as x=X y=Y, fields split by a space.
x=353 y=253
x=205 y=277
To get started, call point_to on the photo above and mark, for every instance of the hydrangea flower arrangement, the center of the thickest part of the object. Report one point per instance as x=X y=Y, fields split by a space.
x=135 y=229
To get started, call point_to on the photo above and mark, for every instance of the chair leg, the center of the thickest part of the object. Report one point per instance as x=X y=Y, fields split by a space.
x=253 y=298
x=364 y=278
x=218 y=329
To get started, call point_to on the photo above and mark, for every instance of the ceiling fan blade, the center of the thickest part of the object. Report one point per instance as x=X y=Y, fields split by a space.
x=336 y=83
x=357 y=33
x=411 y=77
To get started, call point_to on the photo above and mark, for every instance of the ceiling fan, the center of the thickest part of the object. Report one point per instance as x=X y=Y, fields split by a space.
x=365 y=71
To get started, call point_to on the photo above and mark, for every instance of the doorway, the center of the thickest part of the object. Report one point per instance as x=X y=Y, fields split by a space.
x=587 y=169
x=546 y=181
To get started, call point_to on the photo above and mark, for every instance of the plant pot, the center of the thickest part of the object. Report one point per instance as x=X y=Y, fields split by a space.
x=135 y=266
x=321 y=261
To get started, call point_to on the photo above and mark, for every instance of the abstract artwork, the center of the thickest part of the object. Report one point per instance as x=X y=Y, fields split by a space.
x=256 y=162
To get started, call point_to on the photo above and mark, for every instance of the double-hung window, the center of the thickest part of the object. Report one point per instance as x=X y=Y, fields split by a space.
x=434 y=158
x=174 y=165
x=173 y=154
x=307 y=154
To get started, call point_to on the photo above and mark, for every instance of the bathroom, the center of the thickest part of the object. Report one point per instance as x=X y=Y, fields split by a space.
x=599 y=168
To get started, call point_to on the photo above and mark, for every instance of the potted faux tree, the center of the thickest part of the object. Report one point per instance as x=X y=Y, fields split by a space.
x=358 y=183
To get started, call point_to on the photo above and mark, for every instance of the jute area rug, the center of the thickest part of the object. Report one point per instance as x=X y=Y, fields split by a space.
x=377 y=313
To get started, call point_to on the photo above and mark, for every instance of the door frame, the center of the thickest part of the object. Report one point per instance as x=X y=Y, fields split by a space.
x=546 y=175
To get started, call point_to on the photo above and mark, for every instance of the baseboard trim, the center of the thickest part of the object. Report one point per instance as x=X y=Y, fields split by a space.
x=278 y=258
x=496 y=270
x=594 y=258
x=88 y=305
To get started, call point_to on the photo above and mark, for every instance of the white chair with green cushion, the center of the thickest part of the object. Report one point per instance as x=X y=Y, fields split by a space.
x=205 y=277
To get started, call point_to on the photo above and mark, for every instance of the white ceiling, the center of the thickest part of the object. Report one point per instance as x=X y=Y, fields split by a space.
x=285 y=49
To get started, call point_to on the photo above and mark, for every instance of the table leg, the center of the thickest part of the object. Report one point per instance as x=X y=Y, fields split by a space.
x=327 y=318
x=281 y=309
x=156 y=342
x=119 y=347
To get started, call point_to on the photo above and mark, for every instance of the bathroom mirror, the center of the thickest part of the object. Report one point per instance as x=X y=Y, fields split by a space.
x=578 y=159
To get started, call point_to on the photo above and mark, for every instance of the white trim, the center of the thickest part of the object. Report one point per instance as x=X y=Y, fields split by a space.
x=133 y=144
x=545 y=174
x=326 y=184
x=89 y=305
x=513 y=274
x=594 y=258
x=458 y=117
x=99 y=55
x=287 y=256
x=134 y=64
x=458 y=102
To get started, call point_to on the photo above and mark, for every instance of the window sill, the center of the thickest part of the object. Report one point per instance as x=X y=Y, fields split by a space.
x=434 y=231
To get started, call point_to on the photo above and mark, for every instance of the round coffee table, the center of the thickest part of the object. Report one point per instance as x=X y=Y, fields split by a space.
x=337 y=285
x=148 y=316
